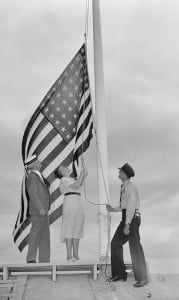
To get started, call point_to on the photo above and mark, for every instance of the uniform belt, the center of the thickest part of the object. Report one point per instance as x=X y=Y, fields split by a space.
x=136 y=210
x=72 y=193
x=136 y=213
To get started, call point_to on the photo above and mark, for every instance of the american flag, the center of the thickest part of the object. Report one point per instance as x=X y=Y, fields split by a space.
x=58 y=132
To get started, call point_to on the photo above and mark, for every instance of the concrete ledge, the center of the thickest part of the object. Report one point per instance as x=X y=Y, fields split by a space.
x=13 y=289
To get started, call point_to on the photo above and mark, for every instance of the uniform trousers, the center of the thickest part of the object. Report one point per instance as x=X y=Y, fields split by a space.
x=136 y=250
x=39 y=239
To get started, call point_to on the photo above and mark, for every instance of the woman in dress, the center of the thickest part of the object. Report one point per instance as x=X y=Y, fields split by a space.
x=73 y=215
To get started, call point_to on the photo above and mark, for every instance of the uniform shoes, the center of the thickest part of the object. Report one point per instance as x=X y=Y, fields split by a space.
x=140 y=283
x=31 y=262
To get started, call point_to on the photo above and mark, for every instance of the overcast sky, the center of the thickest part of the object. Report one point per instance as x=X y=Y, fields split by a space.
x=141 y=69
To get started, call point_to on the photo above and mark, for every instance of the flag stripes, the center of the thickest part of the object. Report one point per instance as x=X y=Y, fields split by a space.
x=28 y=134
x=51 y=140
x=45 y=135
x=58 y=132
x=42 y=129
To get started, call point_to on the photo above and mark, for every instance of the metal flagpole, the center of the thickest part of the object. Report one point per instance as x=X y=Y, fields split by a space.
x=101 y=135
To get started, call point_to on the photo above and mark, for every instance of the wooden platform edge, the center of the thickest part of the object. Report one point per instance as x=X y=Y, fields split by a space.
x=47 y=269
x=54 y=269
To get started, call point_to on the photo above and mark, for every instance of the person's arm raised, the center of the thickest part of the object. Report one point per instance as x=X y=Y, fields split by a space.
x=78 y=182
x=83 y=174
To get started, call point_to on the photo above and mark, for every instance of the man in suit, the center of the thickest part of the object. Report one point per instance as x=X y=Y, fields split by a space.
x=39 y=204
x=128 y=230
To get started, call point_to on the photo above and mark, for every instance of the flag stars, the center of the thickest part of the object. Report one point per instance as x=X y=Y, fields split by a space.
x=68 y=136
x=52 y=102
x=64 y=101
x=71 y=80
x=58 y=95
x=65 y=87
x=73 y=130
x=75 y=116
x=46 y=109
x=57 y=122
x=58 y=109
x=75 y=102
x=70 y=95
x=51 y=116
x=76 y=87
x=70 y=108
x=63 y=116
x=69 y=122
x=63 y=129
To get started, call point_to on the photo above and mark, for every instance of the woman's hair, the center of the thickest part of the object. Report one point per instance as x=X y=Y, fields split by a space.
x=58 y=174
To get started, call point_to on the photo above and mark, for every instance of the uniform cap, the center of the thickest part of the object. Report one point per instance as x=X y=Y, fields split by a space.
x=128 y=170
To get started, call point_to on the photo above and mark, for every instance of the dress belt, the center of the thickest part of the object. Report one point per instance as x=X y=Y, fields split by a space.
x=72 y=193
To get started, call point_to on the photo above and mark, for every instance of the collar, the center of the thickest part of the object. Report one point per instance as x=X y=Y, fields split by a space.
x=38 y=174
x=126 y=182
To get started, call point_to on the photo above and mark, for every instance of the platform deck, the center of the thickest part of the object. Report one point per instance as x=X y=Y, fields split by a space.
x=53 y=269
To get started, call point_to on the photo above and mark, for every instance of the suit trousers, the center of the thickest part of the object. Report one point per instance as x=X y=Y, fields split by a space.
x=39 y=239
x=136 y=250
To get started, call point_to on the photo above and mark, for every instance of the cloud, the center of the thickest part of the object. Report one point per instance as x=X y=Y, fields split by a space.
x=140 y=53
x=11 y=170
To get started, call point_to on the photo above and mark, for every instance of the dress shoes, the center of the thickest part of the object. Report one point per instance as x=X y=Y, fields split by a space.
x=72 y=260
x=140 y=283
x=31 y=262
x=117 y=278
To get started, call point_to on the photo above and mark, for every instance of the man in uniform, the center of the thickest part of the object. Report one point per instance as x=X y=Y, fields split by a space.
x=128 y=230
x=39 y=204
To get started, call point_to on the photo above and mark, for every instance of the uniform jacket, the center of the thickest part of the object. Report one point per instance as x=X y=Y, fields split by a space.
x=39 y=197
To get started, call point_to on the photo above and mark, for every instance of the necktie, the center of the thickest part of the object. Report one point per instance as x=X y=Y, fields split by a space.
x=121 y=194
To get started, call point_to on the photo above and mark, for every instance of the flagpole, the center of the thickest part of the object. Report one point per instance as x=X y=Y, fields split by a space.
x=101 y=135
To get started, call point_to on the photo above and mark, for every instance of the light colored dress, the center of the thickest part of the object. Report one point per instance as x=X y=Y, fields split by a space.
x=73 y=215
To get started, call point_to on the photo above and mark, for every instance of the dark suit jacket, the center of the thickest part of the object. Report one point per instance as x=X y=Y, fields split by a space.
x=39 y=197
